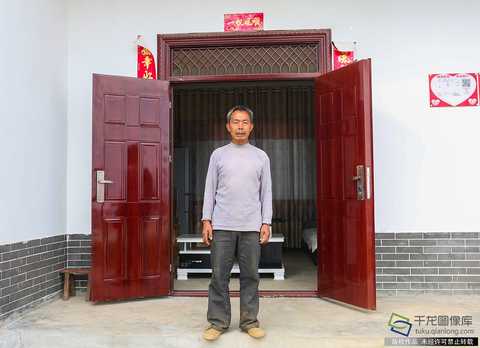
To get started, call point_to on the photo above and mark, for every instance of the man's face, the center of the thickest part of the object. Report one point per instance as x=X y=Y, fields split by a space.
x=240 y=127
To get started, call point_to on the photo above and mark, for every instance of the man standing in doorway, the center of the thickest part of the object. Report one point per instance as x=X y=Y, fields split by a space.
x=237 y=213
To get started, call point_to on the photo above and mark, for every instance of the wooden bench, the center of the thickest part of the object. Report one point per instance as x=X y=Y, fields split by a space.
x=69 y=281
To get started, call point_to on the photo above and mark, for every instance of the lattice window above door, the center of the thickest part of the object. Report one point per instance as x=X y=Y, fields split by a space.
x=242 y=60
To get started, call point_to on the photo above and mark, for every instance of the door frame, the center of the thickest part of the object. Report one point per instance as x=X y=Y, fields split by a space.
x=167 y=42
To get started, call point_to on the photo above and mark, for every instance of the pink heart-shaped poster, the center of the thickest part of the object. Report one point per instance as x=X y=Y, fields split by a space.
x=458 y=89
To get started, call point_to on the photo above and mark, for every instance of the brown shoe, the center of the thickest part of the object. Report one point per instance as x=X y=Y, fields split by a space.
x=256 y=332
x=211 y=334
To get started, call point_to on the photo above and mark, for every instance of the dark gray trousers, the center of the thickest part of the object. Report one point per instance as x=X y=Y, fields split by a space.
x=223 y=248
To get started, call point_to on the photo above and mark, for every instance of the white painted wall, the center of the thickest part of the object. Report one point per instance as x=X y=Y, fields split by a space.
x=425 y=159
x=33 y=111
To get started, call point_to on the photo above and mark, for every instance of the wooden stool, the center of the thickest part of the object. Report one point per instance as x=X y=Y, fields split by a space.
x=69 y=281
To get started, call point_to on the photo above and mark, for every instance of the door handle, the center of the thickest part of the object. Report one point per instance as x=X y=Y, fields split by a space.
x=362 y=181
x=105 y=181
x=101 y=182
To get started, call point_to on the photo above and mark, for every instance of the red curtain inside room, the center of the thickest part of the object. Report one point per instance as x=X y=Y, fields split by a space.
x=284 y=129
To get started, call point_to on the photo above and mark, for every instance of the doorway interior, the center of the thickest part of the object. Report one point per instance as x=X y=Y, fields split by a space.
x=284 y=129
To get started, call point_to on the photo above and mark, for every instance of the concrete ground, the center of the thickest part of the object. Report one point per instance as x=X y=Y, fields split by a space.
x=179 y=321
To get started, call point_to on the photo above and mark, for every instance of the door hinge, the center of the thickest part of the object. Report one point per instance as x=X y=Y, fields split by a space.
x=171 y=268
x=169 y=105
x=170 y=158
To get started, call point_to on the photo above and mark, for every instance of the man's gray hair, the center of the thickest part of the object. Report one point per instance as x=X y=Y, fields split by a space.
x=240 y=108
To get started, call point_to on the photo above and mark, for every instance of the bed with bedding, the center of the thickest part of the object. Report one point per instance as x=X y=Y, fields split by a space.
x=309 y=235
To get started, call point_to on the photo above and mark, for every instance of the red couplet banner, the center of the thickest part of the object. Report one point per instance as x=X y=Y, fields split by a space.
x=145 y=64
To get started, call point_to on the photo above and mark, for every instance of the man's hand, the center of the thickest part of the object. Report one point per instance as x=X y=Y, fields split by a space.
x=207 y=232
x=264 y=234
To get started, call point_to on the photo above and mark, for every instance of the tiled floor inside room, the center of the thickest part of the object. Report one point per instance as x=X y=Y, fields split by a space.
x=179 y=321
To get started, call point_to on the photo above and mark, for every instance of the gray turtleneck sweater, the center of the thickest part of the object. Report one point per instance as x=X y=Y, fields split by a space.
x=238 y=188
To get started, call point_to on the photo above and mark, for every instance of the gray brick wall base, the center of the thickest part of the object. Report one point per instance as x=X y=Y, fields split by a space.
x=406 y=264
x=430 y=262
x=30 y=272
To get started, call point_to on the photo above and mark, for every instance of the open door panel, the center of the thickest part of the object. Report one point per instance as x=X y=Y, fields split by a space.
x=346 y=233
x=130 y=188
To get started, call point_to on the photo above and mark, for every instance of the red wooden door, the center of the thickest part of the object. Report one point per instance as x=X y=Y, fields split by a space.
x=346 y=233
x=131 y=201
